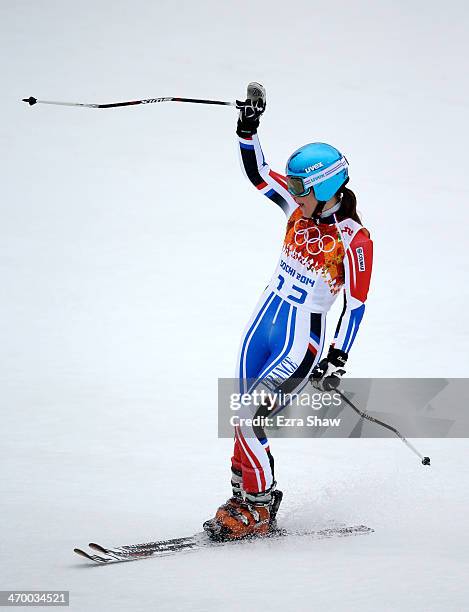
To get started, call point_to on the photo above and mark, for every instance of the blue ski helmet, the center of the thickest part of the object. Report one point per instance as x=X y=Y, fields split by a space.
x=318 y=166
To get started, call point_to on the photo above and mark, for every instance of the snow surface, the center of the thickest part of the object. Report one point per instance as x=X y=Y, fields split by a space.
x=132 y=252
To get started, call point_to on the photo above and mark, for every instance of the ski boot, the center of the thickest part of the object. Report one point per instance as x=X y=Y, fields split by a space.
x=247 y=516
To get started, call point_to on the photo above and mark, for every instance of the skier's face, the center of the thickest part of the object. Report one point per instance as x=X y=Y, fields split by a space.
x=308 y=204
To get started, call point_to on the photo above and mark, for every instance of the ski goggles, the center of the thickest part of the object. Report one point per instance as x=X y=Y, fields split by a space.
x=299 y=186
x=296 y=186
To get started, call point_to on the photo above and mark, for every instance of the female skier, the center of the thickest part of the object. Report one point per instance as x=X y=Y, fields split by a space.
x=326 y=249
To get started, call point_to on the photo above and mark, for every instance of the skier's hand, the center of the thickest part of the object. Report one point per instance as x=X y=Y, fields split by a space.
x=250 y=110
x=327 y=374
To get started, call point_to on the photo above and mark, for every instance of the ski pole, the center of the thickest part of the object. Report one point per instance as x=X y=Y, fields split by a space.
x=31 y=101
x=364 y=415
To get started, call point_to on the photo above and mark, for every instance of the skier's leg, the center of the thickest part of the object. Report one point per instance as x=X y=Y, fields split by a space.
x=279 y=349
x=297 y=340
x=268 y=333
x=254 y=353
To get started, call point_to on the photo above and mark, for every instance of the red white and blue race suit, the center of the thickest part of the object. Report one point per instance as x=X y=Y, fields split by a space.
x=284 y=338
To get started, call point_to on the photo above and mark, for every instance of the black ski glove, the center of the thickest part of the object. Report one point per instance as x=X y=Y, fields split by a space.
x=250 y=110
x=327 y=374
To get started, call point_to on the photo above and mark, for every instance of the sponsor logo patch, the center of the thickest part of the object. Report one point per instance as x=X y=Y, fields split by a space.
x=361 y=259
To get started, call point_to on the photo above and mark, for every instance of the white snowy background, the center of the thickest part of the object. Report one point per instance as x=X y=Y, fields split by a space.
x=133 y=250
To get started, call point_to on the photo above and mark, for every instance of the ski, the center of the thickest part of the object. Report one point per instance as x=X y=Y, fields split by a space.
x=135 y=552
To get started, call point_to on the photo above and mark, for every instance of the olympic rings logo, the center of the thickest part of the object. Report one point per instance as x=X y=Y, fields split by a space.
x=311 y=236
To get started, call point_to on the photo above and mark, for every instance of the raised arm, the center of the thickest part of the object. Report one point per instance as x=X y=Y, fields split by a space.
x=269 y=183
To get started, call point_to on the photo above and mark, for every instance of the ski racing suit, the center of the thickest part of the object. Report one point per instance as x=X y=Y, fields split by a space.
x=284 y=338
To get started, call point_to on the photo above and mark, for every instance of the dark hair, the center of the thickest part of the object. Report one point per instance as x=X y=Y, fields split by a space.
x=348 y=208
